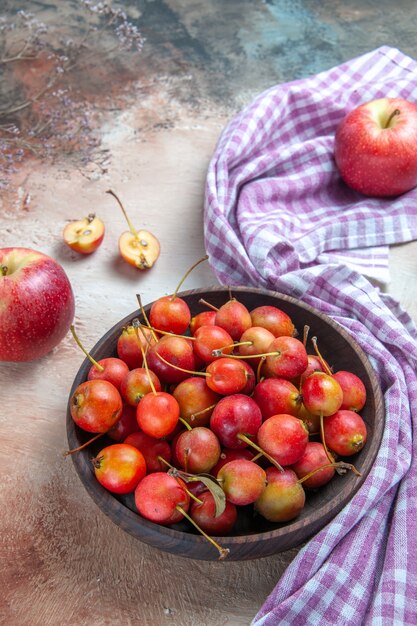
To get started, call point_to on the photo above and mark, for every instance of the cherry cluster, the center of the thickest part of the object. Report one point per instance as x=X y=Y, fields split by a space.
x=217 y=411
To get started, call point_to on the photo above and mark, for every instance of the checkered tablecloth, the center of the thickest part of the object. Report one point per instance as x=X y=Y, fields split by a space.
x=275 y=201
x=277 y=215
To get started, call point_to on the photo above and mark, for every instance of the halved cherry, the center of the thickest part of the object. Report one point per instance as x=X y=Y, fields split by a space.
x=84 y=235
x=139 y=248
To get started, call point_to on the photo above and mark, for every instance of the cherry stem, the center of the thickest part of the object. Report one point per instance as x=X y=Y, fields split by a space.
x=176 y=473
x=305 y=334
x=187 y=273
x=137 y=325
x=194 y=415
x=393 y=114
x=340 y=465
x=219 y=352
x=145 y=362
x=246 y=439
x=186 y=424
x=210 y=306
x=186 y=454
x=259 y=369
x=231 y=296
x=193 y=497
x=185 y=477
x=145 y=317
x=322 y=361
x=165 y=462
x=329 y=456
x=97 y=461
x=84 y=445
x=131 y=227
x=181 y=369
x=223 y=552
x=167 y=332
x=78 y=342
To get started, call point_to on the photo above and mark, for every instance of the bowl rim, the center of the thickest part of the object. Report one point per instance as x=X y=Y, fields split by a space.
x=117 y=509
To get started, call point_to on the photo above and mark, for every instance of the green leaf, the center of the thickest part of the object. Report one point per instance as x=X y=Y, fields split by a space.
x=209 y=481
x=216 y=491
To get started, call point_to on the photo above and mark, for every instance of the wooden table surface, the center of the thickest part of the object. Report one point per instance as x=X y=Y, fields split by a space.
x=62 y=561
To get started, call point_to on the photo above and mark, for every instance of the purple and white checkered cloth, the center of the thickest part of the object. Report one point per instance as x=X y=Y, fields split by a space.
x=275 y=201
x=277 y=215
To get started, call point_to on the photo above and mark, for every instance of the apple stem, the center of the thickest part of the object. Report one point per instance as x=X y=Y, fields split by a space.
x=131 y=227
x=84 y=445
x=4 y=269
x=391 y=117
x=210 y=306
x=223 y=552
x=246 y=439
x=322 y=361
x=78 y=342
x=187 y=273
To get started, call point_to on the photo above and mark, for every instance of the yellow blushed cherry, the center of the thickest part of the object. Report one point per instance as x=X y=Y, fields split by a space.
x=85 y=235
x=139 y=248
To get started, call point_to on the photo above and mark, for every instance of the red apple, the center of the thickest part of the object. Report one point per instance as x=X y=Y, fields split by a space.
x=375 y=147
x=37 y=304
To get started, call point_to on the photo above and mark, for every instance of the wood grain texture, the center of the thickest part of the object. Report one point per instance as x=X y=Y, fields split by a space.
x=62 y=560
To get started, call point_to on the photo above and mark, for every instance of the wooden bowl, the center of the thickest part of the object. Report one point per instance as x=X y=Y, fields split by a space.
x=253 y=537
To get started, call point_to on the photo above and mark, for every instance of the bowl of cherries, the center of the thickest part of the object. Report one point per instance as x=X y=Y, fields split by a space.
x=224 y=423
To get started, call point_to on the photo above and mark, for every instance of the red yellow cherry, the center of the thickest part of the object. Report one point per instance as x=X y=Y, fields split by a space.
x=138 y=248
x=85 y=235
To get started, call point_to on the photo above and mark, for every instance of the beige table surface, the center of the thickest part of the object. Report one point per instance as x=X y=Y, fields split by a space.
x=62 y=561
